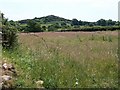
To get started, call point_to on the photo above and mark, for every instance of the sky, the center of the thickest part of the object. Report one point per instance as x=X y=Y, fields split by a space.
x=85 y=10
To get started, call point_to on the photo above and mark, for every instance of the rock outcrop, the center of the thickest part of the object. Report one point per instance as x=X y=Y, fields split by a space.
x=8 y=72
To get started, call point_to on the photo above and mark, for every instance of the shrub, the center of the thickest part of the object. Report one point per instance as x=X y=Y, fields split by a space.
x=9 y=34
x=9 y=37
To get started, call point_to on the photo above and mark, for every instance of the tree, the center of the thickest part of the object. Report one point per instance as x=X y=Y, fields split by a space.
x=75 y=22
x=56 y=25
x=64 y=25
x=44 y=28
x=91 y=24
x=30 y=25
x=12 y=23
x=80 y=22
x=85 y=23
x=37 y=28
x=9 y=34
x=110 y=22
x=33 y=26
x=101 y=22
x=51 y=28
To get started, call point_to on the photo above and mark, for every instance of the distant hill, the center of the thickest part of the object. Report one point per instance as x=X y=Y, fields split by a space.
x=47 y=19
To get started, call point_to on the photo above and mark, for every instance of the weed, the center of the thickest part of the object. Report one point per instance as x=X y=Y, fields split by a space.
x=73 y=65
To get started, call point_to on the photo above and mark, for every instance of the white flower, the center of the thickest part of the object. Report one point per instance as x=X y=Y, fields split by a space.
x=5 y=66
x=76 y=83
x=39 y=82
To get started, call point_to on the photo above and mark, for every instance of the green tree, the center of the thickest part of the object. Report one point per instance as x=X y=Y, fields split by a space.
x=37 y=28
x=75 y=22
x=44 y=28
x=101 y=22
x=51 y=28
x=9 y=34
x=80 y=22
x=57 y=25
x=110 y=22
x=33 y=26
x=63 y=24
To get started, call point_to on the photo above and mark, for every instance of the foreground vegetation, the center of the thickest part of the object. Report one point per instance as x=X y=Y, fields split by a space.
x=62 y=59
x=82 y=59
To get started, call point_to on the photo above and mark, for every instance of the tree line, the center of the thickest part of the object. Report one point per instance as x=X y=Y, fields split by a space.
x=101 y=22
x=33 y=26
x=56 y=23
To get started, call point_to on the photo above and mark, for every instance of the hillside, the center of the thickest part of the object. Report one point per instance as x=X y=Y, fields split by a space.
x=47 y=19
x=56 y=23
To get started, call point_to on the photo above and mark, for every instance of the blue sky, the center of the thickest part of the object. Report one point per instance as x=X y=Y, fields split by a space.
x=85 y=10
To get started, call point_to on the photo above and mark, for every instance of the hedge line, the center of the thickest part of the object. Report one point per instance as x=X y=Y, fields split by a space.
x=91 y=29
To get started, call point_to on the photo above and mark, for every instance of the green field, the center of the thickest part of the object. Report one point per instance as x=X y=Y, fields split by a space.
x=66 y=59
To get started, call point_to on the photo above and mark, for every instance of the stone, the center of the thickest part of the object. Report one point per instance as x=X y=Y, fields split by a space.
x=6 y=77
x=5 y=67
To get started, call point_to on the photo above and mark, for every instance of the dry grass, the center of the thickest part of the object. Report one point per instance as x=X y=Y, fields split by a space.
x=61 y=59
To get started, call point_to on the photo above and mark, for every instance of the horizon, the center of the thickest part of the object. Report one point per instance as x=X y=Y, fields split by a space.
x=84 y=10
x=64 y=18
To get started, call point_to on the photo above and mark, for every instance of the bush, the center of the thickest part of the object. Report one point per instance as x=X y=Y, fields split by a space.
x=51 y=28
x=9 y=37
x=32 y=26
x=9 y=34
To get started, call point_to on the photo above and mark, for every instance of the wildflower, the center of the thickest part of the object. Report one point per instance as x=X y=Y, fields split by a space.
x=5 y=66
x=76 y=83
x=39 y=84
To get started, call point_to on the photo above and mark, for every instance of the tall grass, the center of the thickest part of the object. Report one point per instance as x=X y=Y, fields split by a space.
x=76 y=60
